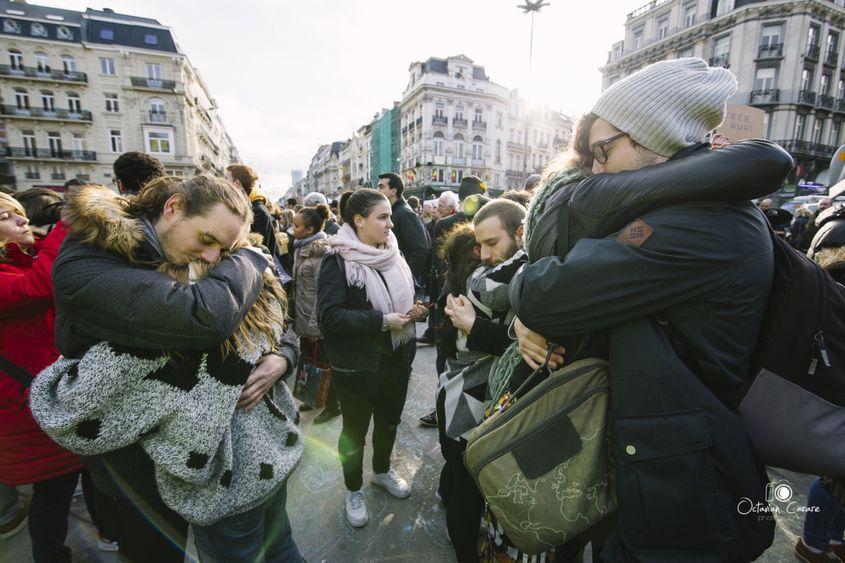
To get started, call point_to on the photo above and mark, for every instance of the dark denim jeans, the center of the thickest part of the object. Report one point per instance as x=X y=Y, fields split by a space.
x=260 y=534
x=826 y=524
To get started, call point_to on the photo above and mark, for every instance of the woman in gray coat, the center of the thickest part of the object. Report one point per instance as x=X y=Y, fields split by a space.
x=309 y=248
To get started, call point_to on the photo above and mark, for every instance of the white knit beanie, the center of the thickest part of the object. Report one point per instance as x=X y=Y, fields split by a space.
x=668 y=105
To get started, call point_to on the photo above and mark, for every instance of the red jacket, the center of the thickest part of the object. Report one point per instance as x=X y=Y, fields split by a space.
x=27 y=455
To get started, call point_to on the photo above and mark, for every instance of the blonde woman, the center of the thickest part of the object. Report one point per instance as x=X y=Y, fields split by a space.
x=27 y=345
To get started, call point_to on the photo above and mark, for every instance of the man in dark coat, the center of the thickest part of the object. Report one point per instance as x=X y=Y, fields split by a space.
x=263 y=223
x=101 y=296
x=407 y=225
x=689 y=280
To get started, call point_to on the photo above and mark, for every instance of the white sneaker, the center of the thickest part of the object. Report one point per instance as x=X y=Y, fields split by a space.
x=106 y=545
x=356 y=508
x=394 y=484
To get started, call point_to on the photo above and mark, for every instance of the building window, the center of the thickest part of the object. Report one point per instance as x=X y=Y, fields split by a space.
x=498 y=120
x=638 y=38
x=817 y=130
x=64 y=33
x=154 y=71
x=459 y=145
x=37 y=30
x=690 y=14
x=107 y=34
x=682 y=54
x=68 y=64
x=813 y=36
x=459 y=112
x=479 y=115
x=477 y=148
x=48 y=100
x=800 y=121
x=723 y=7
x=835 y=130
x=498 y=151
x=437 y=175
x=438 y=143
x=74 y=105
x=150 y=39
x=832 y=44
x=107 y=66
x=22 y=99
x=663 y=27
x=840 y=89
x=771 y=36
x=115 y=141
x=28 y=142
x=722 y=47
x=158 y=113
x=42 y=62
x=15 y=59
x=765 y=79
x=824 y=85
x=111 y=103
x=11 y=26
x=438 y=110
x=160 y=142
x=807 y=79
x=55 y=142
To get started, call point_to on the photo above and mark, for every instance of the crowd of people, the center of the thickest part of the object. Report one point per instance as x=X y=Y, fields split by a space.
x=149 y=334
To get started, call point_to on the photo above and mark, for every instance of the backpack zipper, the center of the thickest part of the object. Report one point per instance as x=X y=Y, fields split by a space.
x=818 y=346
x=515 y=406
x=572 y=405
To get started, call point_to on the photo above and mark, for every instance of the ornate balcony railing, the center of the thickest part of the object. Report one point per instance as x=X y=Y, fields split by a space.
x=812 y=52
x=50 y=154
x=152 y=83
x=806 y=97
x=41 y=113
x=764 y=96
x=770 y=51
x=44 y=73
x=721 y=60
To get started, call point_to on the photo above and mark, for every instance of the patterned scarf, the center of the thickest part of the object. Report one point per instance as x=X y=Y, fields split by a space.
x=500 y=376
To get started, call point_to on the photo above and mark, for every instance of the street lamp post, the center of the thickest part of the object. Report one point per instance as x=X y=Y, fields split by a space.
x=532 y=8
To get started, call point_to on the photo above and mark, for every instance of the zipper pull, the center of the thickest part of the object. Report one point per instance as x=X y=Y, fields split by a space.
x=822 y=349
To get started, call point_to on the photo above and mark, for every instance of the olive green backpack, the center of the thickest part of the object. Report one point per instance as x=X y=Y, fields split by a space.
x=543 y=463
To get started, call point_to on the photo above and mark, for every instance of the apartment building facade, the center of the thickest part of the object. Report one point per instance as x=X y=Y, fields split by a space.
x=80 y=88
x=786 y=54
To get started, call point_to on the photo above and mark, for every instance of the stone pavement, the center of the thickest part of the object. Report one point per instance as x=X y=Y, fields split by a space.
x=399 y=530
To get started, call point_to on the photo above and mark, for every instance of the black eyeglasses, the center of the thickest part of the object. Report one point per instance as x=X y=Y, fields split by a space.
x=599 y=149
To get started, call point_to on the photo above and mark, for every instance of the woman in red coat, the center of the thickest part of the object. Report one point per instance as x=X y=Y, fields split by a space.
x=27 y=455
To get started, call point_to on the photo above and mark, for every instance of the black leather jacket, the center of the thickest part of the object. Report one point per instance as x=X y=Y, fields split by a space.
x=604 y=203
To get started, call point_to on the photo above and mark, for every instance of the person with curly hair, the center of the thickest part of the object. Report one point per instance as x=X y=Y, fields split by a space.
x=134 y=169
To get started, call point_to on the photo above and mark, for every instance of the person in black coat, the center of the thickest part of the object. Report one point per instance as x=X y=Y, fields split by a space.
x=263 y=223
x=366 y=312
x=407 y=225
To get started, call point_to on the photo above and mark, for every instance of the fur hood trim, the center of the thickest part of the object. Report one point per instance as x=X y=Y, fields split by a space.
x=831 y=258
x=98 y=216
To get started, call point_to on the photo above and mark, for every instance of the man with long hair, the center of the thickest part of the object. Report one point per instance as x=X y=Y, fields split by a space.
x=101 y=296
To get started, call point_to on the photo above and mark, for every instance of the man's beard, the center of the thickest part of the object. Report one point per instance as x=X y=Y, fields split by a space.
x=514 y=247
x=166 y=240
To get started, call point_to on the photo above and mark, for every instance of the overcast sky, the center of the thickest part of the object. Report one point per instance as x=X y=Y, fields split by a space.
x=289 y=76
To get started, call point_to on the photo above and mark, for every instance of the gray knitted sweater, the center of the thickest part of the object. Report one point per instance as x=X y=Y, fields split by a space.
x=211 y=459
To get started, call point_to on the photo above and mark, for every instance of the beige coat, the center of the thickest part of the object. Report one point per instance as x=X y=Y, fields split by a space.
x=306 y=266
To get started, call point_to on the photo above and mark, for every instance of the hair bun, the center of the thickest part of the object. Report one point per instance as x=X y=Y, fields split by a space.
x=323 y=210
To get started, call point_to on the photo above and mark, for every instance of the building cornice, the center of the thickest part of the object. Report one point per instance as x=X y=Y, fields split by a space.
x=817 y=9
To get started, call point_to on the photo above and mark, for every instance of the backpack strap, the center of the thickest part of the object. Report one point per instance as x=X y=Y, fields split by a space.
x=17 y=373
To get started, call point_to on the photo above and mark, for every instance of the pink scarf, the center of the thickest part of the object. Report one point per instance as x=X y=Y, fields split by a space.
x=392 y=294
